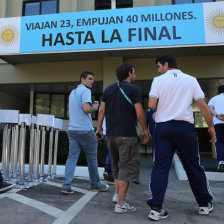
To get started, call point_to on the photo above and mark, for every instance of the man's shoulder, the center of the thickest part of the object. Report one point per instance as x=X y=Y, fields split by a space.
x=110 y=87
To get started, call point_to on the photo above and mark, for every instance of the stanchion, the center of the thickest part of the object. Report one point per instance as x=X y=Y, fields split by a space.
x=32 y=148
x=37 y=154
x=24 y=120
x=58 y=124
x=50 y=151
x=3 y=149
x=44 y=120
x=15 y=152
x=9 y=118
x=7 y=152
x=42 y=157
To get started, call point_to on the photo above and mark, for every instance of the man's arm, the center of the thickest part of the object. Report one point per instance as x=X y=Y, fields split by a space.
x=214 y=113
x=89 y=108
x=208 y=118
x=100 y=120
x=152 y=104
x=142 y=120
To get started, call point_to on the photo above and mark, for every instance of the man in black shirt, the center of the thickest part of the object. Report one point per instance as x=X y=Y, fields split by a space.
x=122 y=105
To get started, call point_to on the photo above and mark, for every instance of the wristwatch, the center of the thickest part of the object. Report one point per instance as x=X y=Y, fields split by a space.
x=216 y=115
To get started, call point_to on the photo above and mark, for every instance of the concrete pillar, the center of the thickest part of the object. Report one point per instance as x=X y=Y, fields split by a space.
x=109 y=70
x=31 y=99
x=113 y=4
x=2 y=8
x=74 y=5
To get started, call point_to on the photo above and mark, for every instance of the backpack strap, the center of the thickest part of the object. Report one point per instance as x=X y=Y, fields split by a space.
x=125 y=95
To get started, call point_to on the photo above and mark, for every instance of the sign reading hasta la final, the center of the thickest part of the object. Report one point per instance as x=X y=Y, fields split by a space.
x=114 y=29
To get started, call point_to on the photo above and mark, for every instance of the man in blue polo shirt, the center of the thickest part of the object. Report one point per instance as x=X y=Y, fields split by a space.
x=81 y=134
x=171 y=96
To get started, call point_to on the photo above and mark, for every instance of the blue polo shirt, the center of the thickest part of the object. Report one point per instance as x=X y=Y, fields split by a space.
x=78 y=119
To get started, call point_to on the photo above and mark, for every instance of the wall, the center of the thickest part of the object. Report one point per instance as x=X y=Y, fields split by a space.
x=48 y=72
x=105 y=69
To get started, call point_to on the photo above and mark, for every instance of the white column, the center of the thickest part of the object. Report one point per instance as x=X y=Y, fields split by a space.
x=113 y=4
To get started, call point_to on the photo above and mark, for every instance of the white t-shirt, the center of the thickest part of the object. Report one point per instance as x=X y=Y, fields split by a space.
x=175 y=92
x=218 y=103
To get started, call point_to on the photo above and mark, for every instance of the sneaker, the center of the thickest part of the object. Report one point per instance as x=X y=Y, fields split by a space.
x=106 y=176
x=126 y=208
x=115 y=198
x=6 y=187
x=67 y=191
x=220 y=166
x=101 y=188
x=157 y=215
x=206 y=210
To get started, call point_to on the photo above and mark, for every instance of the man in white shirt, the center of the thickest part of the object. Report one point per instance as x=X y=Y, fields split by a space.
x=171 y=96
x=216 y=106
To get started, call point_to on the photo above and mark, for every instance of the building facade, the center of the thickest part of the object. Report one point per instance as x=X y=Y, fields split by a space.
x=59 y=39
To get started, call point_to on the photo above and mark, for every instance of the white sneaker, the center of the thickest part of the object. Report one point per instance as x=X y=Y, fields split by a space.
x=220 y=166
x=157 y=215
x=126 y=208
x=115 y=198
x=206 y=210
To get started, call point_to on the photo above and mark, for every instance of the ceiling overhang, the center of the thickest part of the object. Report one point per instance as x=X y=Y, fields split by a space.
x=195 y=50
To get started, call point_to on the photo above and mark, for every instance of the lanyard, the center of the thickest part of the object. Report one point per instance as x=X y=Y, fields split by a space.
x=78 y=97
x=124 y=94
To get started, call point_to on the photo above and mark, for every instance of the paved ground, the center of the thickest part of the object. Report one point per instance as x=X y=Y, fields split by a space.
x=45 y=204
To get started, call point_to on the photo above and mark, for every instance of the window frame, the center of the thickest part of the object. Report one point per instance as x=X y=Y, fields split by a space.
x=40 y=1
x=116 y=3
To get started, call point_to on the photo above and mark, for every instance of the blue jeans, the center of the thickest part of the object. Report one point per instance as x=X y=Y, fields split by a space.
x=82 y=140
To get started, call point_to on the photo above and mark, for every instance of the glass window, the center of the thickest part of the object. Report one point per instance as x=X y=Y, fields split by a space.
x=57 y=105
x=42 y=104
x=49 y=7
x=32 y=8
x=102 y=4
x=40 y=7
x=124 y=4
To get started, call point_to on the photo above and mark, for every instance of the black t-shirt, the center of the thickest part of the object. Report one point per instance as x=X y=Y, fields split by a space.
x=121 y=119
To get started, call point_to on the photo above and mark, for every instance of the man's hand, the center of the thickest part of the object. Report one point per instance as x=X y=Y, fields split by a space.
x=221 y=117
x=99 y=135
x=211 y=131
x=144 y=137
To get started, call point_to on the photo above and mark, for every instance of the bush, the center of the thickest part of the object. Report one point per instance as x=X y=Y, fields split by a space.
x=63 y=146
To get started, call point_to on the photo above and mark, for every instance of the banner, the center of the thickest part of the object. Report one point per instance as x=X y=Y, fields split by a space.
x=170 y=25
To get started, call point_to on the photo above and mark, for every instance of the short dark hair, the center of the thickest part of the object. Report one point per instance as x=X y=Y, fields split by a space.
x=85 y=74
x=123 y=71
x=221 y=89
x=171 y=60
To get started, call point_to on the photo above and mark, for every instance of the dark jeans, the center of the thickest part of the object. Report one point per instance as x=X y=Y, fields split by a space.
x=219 y=143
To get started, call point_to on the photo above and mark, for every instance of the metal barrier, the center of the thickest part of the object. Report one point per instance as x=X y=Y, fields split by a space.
x=14 y=147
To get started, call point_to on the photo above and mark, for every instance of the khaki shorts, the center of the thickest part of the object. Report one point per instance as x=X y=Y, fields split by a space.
x=124 y=152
